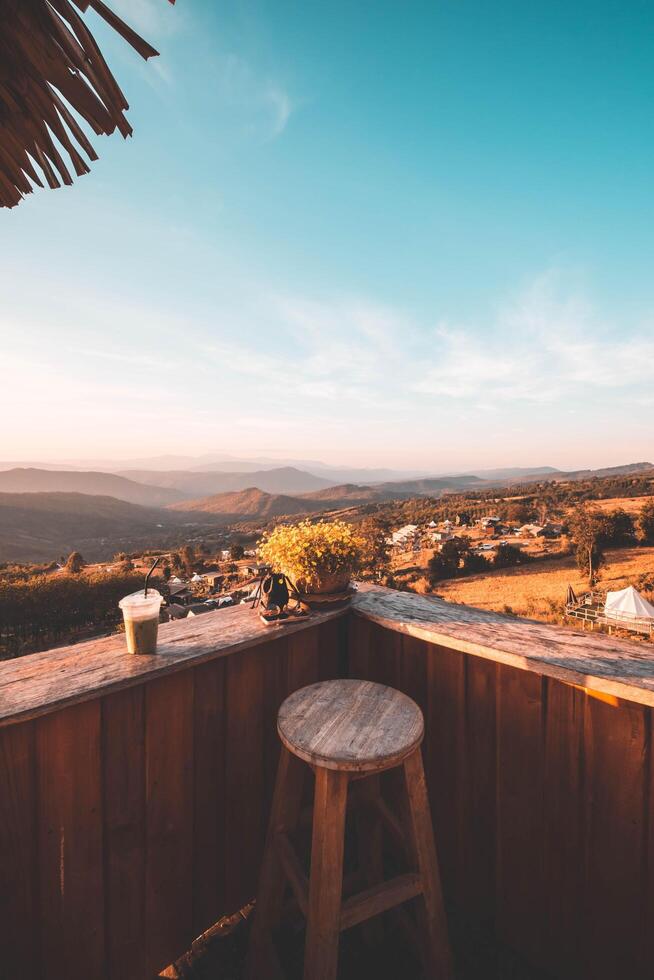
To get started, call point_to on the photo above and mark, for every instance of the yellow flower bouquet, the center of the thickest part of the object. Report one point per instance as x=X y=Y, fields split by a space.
x=318 y=558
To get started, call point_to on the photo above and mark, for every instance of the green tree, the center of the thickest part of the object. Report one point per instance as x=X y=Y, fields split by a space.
x=376 y=559
x=74 y=563
x=187 y=557
x=236 y=551
x=508 y=555
x=586 y=529
x=474 y=563
x=445 y=563
x=619 y=530
x=646 y=522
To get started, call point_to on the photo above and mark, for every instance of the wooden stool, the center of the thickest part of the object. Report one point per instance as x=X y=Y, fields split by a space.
x=347 y=730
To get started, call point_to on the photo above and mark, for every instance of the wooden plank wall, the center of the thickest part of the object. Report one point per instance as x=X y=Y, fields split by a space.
x=542 y=806
x=129 y=824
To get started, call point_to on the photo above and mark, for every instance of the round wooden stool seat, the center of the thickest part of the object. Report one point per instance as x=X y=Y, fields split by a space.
x=350 y=725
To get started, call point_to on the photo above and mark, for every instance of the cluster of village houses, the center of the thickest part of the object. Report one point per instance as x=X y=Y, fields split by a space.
x=413 y=537
x=205 y=591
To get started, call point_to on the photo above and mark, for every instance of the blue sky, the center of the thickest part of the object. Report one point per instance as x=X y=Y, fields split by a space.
x=411 y=234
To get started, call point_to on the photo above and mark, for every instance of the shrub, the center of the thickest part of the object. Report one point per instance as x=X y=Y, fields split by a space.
x=508 y=555
x=474 y=563
x=618 y=530
x=314 y=554
x=646 y=522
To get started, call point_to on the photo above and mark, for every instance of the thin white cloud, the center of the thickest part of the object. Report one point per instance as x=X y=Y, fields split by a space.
x=345 y=371
x=281 y=107
x=262 y=107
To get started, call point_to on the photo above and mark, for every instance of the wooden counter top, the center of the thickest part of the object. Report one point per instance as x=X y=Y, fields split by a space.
x=40 y=683
x=623 y=668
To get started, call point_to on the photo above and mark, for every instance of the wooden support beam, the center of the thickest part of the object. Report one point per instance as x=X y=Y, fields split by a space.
x=293 y=871
x=380 y=898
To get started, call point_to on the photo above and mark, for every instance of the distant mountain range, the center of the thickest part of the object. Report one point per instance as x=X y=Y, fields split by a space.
x=284 y=479
x=222 y=463
x=44 y=513
x=629 y=469
x=516 y=472
x=106 y=484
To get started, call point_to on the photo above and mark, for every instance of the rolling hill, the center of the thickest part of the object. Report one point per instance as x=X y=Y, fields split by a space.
x=352 y=495
x=284 y=479
x=628 y=469
x=255 y=503
x=250 y=503
x=432 y=486
x=43 y=526
x=29 y=480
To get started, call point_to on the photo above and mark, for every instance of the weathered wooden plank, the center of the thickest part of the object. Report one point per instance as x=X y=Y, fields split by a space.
x=303 y=660
x=617 y=774
x=478 y=798
x=563 y=837
x=332 y=649
x=520 y=811
x=413 y=671
x=123 y=773
x=279 y=661
x=358 y=647
x=19 y=914
x=209 y=795
x=244 y=776
x=70 y=853
x=169 y=819
x=444 y=762
x=385 y=652
x=44 y=682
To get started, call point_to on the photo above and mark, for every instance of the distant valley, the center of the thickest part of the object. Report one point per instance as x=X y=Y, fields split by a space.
x=43 y=526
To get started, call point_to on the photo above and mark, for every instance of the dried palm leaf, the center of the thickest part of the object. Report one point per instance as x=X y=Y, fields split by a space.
x=49 y=64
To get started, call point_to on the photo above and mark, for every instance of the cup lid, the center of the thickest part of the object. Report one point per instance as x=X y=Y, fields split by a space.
x=138 y=600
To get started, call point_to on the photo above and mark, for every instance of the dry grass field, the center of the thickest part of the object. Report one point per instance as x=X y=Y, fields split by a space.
x=632 y=505
x=539 y=590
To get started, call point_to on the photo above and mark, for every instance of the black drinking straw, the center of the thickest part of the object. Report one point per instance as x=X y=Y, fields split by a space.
x=147 y=577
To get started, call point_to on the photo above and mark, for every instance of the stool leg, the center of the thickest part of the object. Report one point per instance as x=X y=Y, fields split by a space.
x=369 y=849
x=287 y=798
x=438 y=956
x=326 y=883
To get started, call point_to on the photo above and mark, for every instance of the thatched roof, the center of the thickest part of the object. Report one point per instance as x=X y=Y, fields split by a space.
x=50 y=63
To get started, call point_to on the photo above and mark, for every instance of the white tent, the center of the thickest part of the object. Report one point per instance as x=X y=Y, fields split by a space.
x=627 y=604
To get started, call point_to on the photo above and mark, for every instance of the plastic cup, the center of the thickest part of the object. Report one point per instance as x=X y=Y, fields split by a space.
x=141 y=615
